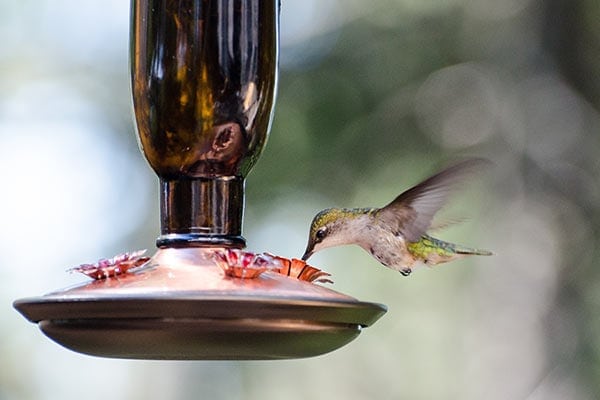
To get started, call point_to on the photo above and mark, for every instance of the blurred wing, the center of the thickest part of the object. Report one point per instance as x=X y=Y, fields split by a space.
x=445 y=224
x=410 y=214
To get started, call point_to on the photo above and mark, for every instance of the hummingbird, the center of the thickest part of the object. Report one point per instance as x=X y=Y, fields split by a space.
x=395 y=234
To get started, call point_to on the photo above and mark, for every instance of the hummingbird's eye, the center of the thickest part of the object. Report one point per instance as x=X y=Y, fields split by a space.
x=321 y=233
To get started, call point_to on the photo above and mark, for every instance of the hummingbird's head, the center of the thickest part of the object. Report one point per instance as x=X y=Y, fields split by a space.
x=329 y=228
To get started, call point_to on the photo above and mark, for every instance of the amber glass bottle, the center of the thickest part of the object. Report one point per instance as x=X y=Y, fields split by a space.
x=204 y=75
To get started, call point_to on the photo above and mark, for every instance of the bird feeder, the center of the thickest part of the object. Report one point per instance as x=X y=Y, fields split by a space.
x=204 y=77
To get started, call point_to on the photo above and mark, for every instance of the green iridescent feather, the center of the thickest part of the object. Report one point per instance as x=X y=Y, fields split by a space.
x=428 y=245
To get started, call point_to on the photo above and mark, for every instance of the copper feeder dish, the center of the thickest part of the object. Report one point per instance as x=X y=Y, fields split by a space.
x=159 y=313
x=204 y=75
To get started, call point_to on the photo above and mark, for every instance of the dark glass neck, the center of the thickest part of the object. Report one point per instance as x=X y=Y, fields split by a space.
x=197 y=212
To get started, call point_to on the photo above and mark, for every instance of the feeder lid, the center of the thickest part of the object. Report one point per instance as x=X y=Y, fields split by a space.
x=180 y=305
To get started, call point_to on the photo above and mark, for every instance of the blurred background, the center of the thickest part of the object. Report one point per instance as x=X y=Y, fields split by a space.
x=373 y=97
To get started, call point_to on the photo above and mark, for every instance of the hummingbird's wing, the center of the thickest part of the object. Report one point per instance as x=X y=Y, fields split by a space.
x=445 y=224
x=410 y=214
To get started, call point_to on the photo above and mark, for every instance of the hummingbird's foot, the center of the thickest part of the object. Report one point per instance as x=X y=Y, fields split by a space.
x=405 y=271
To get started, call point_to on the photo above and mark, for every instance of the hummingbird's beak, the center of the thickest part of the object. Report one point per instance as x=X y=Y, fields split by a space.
x=309 y=252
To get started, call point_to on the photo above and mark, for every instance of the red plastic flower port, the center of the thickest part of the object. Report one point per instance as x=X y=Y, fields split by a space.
x=242 y=264
x=247 y=265
x=299 y=269
x=118 y=265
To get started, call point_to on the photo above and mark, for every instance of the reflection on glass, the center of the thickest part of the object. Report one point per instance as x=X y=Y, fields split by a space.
x=203 y=75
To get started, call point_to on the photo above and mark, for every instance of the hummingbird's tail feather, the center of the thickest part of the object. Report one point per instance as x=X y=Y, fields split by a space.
x=435 y=251
x=458 y=249
x=473 y=252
